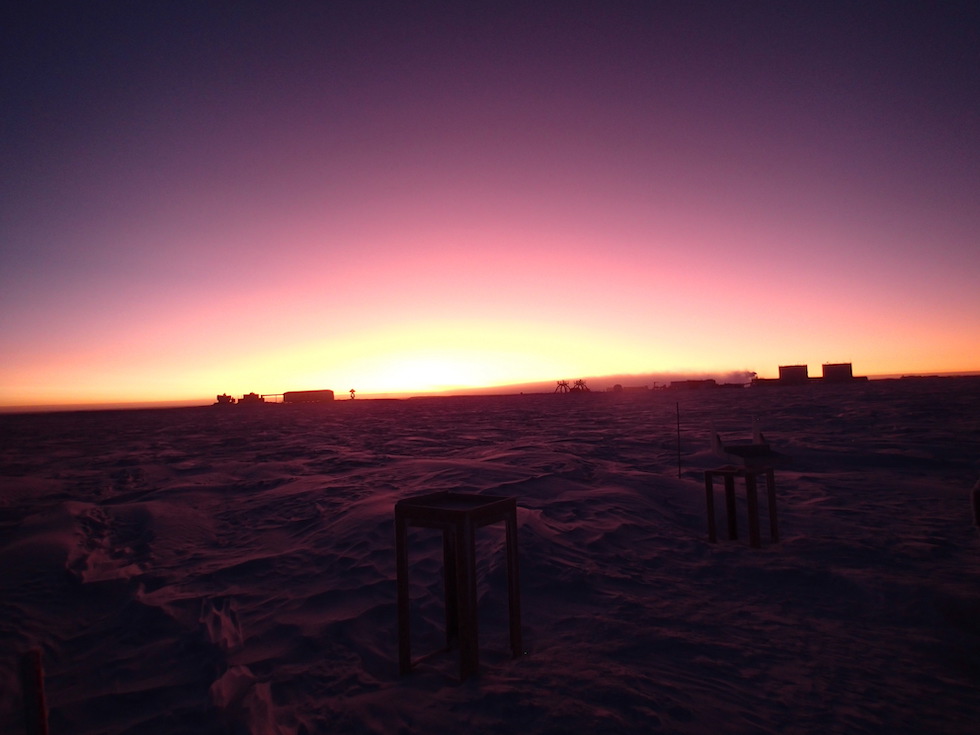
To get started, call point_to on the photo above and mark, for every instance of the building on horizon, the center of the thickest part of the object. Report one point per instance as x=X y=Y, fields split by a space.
x=840 y=372
x=833 y=372
x=308 y=396
x=793 y=374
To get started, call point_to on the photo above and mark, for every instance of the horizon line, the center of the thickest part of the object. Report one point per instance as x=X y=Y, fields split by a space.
x=533 y=388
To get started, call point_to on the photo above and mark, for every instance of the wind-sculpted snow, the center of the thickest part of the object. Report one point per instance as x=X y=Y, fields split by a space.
x=218 y=570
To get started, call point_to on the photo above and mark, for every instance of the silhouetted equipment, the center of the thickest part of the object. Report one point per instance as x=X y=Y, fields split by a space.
x=457 y=515
x=352 y=391
x=224 y=400
x=251 y=398
x=563 y=387
x=307 y=396
x=580 y=387
x=750 y=475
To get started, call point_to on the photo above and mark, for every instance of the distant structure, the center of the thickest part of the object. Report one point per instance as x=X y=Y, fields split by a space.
x=296 y=396
x=619 y=388
x=578 y=386
x=307 y=396
x=837 y=372
x=793 y=374
x=693 y=384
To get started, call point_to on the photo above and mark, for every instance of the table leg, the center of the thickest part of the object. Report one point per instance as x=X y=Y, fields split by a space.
x=709 y=497
x=771 y=494
x=469 y=649
x=450 y=563
x=751 y=491
x=514 y=587
x=730 y=505
x=404 y=622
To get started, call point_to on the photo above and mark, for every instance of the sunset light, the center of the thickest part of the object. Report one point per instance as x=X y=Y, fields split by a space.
x=525 y=366
x=406 y=200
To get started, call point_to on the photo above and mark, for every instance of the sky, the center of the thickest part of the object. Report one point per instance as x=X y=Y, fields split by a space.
x=208 y=197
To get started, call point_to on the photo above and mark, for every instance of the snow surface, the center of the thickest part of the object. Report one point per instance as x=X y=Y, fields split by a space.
x=232 y=569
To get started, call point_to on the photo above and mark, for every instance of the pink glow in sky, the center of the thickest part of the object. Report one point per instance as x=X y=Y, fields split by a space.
x=226 y=197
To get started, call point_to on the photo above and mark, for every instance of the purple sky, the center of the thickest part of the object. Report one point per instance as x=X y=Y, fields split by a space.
x=200 y=197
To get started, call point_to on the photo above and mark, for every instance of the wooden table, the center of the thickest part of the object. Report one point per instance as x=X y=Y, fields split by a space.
x=750 y=475
x=457 y=515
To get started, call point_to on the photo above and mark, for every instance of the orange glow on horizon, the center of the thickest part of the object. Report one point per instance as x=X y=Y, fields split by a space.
x=487 y=212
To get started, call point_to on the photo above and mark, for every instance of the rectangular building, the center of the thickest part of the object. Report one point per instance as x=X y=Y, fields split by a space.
x=840 y=372
x=307 y=396
x=793 y=374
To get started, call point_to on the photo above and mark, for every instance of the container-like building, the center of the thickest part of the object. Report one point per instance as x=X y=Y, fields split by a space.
x=840 y=372
x=793 y=374
x=307 y=396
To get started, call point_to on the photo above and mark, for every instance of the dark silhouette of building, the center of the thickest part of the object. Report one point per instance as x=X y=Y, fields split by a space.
x=308 y=396
x=838 y=372
x=793 y=374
